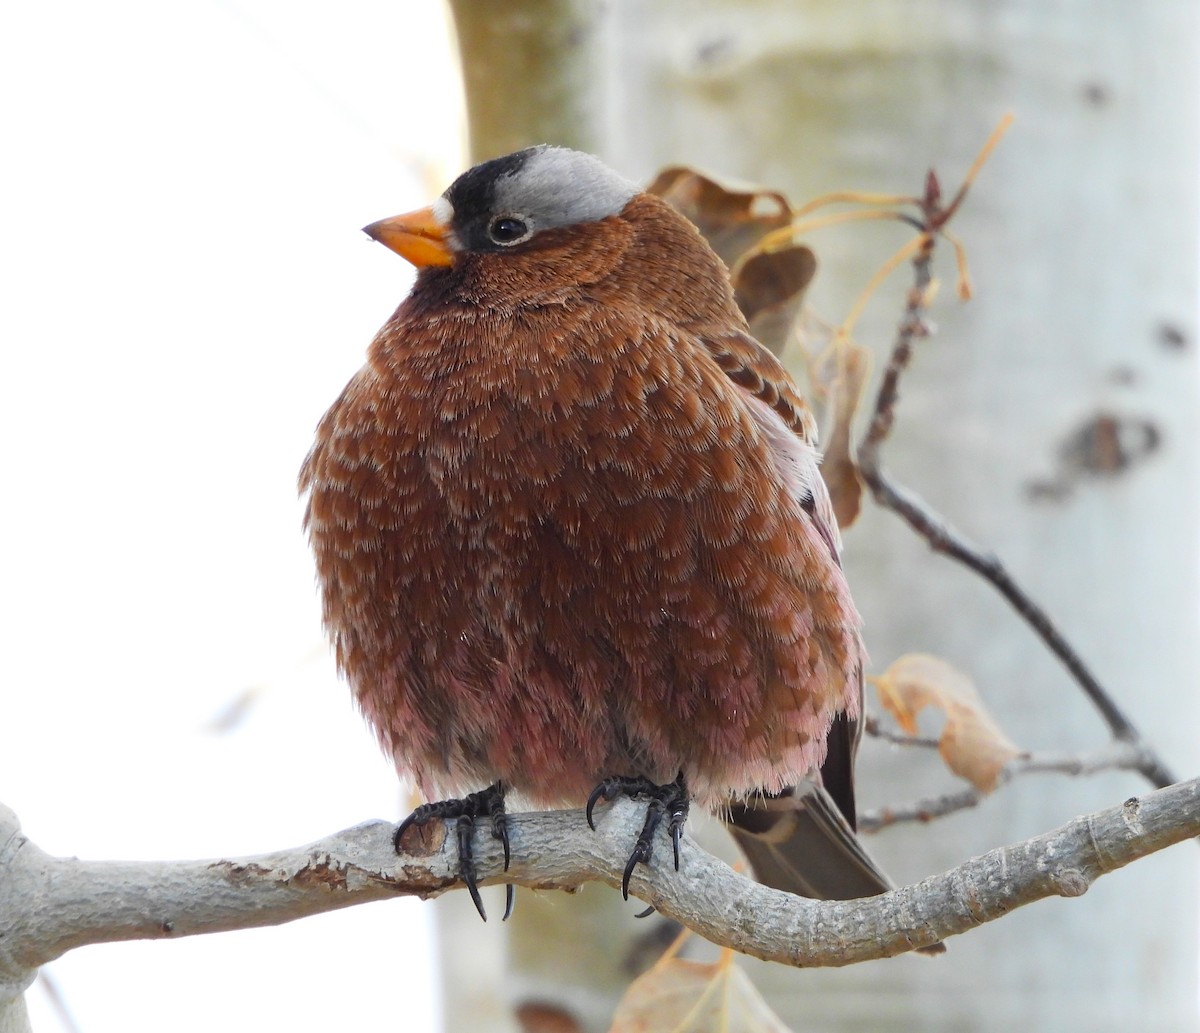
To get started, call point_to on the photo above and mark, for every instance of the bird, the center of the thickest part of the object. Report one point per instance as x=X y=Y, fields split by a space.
x=571 y=539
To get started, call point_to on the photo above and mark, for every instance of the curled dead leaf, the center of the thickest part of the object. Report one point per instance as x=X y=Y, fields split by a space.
x=839 y=469
x=732 y=217
x=972 y=744
x=769 y=289
x=813 y=338
x=680 y=996
x=766 y=280
x=545 y=1017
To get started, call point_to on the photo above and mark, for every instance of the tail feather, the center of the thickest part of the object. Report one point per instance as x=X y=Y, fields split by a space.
x=800 y=842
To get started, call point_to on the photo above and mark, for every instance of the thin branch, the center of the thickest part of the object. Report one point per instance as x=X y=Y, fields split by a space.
x=58 y=1002
x=1116 y=756
x=874 y=728
x=50 y=905
x=940 y=535
x=923 y=810
x=945 y=539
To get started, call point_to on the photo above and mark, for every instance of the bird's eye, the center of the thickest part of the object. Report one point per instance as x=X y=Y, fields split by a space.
x=507 y=230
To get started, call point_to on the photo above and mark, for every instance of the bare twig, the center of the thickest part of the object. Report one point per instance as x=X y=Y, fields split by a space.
x=923 y=810
x=1116 y=756
x=49 y=905
x=58 y=1002
x=874 y=728
x=934 y=529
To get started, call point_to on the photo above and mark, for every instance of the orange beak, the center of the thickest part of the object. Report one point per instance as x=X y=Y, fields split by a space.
x=419 y=236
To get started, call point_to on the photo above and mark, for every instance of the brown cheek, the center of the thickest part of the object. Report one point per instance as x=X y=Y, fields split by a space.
x=549 y=268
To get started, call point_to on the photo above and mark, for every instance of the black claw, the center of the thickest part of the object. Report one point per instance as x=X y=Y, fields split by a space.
x=425 y=813
x=611 y=787
x=500 y=832
x=401 y=829
x=618 y=785
x=466 y=861
x=467 y=812
x=633 y=859
x=647 y=913
x=661 y=799
x=509 y=900
x=678 y=817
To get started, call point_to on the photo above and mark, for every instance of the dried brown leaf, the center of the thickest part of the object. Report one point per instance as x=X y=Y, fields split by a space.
x=813 y=340
x=732 y=217
x=769 y=289
x=972 y=743
x=545 y=1017
x=839 y=468
x=679 y=996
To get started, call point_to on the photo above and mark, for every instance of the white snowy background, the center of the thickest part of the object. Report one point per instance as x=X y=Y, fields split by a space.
x=183 y=290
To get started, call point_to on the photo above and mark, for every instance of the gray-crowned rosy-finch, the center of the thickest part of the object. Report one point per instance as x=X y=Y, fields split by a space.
x=570 y=534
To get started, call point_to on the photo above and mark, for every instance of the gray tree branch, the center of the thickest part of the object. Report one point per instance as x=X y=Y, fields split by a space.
x=49 y=905
x=943 y=538
x=1116 y=756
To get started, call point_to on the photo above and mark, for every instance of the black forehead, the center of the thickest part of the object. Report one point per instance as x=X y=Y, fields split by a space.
x=473 y=194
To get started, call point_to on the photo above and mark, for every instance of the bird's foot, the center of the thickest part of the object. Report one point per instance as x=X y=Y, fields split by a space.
x=467 y=813
x=661 y=800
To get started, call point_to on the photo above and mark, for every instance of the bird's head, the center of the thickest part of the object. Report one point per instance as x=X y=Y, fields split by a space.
x=539 y=223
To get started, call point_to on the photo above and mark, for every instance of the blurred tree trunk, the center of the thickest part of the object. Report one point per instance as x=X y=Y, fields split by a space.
x=1081 y=232
x=535 y=71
